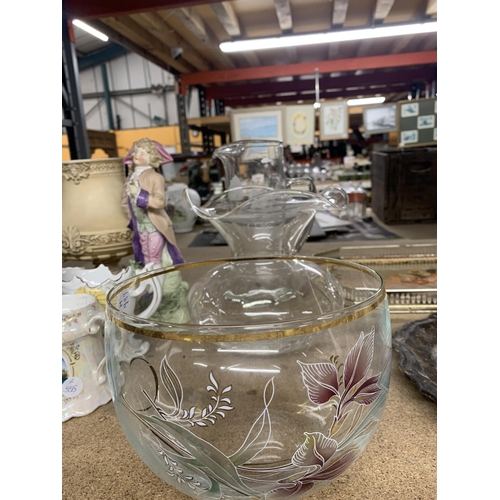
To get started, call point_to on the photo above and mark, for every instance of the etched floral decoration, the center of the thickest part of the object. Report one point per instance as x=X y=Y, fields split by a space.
x=354 y=394
x=173 y=387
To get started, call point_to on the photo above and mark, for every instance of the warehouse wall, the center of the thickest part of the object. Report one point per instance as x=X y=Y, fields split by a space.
x=131 y=72
x=141 y=114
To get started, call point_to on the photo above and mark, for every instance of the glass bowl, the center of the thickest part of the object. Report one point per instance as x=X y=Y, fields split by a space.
x=267 y=386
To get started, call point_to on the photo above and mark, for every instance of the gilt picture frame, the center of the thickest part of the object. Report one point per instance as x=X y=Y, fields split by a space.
x=264 y=123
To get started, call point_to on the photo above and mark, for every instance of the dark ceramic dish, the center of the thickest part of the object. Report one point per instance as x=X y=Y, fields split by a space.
x=416 y=344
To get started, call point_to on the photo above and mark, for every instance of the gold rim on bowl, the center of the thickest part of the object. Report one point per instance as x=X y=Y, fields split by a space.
x=186 y=332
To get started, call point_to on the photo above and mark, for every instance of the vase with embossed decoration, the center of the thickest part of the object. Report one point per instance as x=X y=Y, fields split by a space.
x=94 y=224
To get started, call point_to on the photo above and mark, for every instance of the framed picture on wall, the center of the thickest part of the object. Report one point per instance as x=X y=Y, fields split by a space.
x=417 y=122
x=409 y=109
x=300 y=124
x=257 y=123
x=380 y=119
x=334 y=123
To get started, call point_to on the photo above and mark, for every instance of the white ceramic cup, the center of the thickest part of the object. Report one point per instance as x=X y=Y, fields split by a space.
x=84 y=378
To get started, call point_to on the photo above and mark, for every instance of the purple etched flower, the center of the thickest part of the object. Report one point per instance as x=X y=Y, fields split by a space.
x=316 y=450
x=335 y=461
x=323 y=381
x=324 y=460
x=322 y=457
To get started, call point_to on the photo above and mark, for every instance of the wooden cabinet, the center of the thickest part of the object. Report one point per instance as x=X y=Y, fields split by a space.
x=404 y=185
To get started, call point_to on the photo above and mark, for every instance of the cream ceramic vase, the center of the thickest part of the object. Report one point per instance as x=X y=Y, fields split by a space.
x=94 y=225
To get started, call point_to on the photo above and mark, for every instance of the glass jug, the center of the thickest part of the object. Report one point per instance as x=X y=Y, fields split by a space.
x=259 y=215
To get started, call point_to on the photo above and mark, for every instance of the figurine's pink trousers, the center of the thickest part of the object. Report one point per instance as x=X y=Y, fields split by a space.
x=152 y=245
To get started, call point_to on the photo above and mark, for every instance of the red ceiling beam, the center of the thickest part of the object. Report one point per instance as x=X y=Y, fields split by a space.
x=425 y=73
x=92 y=9
x=254 y=100
x=267 y=72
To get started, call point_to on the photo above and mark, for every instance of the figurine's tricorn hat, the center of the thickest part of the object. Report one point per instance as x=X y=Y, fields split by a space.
x=164 y=155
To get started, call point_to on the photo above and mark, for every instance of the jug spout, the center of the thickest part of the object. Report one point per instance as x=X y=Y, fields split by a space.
x=252 y=162
x=261 y=221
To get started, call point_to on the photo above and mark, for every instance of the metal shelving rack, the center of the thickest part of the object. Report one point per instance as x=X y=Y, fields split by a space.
x=73 y=114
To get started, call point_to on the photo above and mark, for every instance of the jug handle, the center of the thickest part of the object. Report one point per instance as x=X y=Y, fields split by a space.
x=92 y=328
x=101 y=367
x=302 y=180
x=337 y=197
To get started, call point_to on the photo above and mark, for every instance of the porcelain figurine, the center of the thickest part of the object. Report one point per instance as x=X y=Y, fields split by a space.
x=144 y=201
x=154 y=239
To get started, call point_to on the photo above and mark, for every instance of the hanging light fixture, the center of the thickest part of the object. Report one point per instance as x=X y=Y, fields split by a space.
x=316 y=104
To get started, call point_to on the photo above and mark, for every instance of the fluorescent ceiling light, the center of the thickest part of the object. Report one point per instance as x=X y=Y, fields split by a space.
x=327 y=37
x=365 y=100
x=90 y=30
